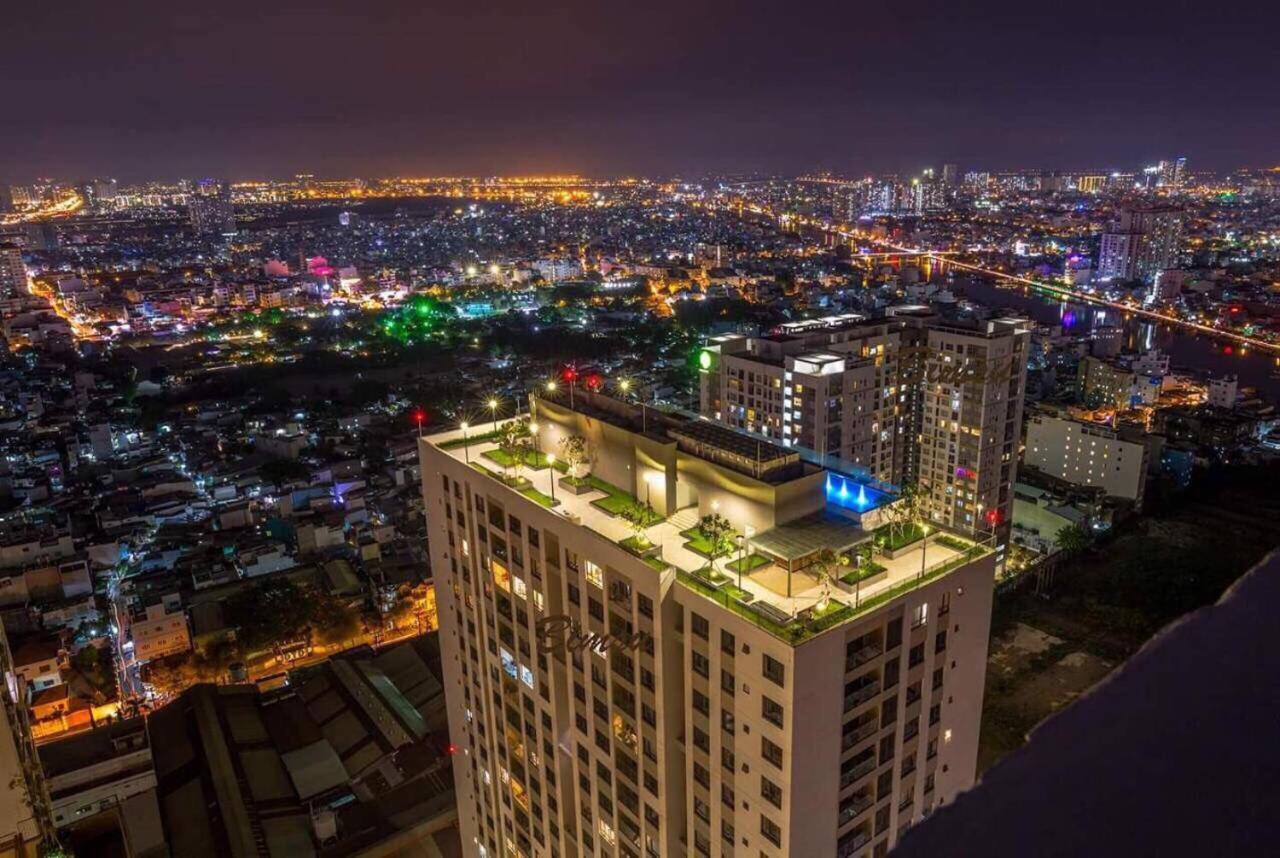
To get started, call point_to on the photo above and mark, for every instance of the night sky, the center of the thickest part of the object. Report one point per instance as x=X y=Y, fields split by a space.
x=144 y=89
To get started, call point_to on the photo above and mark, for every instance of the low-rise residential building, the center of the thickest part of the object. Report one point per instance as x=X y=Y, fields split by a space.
x=159 y=628
x=1087 y=454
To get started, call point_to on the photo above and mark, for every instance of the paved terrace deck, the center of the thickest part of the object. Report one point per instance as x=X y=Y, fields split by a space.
x=767 y=585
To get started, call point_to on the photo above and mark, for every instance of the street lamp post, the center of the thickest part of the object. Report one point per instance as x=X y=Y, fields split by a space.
x=551 y=460
x=741 y=559
x=493 y=408
x=466 y=445
x=924 y=548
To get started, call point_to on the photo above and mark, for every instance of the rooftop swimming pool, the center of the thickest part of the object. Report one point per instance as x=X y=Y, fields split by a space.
x=848 y=493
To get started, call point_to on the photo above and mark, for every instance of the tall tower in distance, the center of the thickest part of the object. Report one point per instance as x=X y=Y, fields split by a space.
x=1143 y=242
x=210 y=208
x=950 y=174
x=13 y=273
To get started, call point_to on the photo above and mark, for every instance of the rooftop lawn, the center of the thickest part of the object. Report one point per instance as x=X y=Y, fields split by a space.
x=750 y=564
x=616 y=501
x=538 y=497
x=891 y=539
x=468 y=440
x=868 y=569
x=697 y=541
x=533 y=460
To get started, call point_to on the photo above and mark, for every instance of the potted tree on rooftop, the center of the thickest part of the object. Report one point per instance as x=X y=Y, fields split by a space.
x=515 y=443
x=576 y=455
x=904 y=516
x=638 y=516
x=826 y=563
x=716 y=528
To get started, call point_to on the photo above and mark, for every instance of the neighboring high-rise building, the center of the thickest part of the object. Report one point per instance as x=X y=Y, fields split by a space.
x=1102 y=384
x=210 y=208
x=1143 y=243
x=909 y=399
x=1088 y=454
x=13 y=273
x=6 y=198
x=950 y=174
x=612 y=694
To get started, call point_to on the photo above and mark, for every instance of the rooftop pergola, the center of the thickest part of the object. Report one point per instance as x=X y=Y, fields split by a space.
x=791 y=543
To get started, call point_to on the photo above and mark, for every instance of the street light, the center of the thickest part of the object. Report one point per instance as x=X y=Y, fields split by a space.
x=924 y=547
x=493 y=407
x=466 y=445
x=741 y=558
x=551 y=460
x=625 y=387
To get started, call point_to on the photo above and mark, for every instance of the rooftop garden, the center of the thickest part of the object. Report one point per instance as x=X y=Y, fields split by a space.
x=534 y=460
x=830 y=612
x=469 y=439
x=868 y=569
x=748 y=564
x=891 y=537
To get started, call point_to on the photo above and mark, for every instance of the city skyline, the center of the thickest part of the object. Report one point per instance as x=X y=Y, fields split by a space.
x=396 y=89
x=638 y=430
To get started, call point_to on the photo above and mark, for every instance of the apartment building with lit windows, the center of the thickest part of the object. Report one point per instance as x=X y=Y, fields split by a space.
x=1088 y=454
x=908 y=399
x=614 y=692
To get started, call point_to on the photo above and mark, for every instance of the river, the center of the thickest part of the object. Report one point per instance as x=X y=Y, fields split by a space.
x=1191 y=353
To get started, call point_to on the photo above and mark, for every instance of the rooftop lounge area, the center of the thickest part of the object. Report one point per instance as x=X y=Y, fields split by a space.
x=745 y=523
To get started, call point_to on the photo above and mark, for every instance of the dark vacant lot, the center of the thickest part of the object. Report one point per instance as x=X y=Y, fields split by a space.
x=1049 y=647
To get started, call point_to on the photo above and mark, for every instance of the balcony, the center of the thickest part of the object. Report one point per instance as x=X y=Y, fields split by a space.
x=861 y=695
x=863 y=732
x=859 y=771
x=851 y=809
x=862 y=656
x=851 y=846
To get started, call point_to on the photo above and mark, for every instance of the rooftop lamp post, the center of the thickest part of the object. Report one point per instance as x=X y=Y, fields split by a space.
x=741 y=557
x=466 y=445
x=924 y=548
x=493 y=408
x=551 y=460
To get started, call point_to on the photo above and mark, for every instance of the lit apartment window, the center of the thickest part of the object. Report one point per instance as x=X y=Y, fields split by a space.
x=593 y=573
